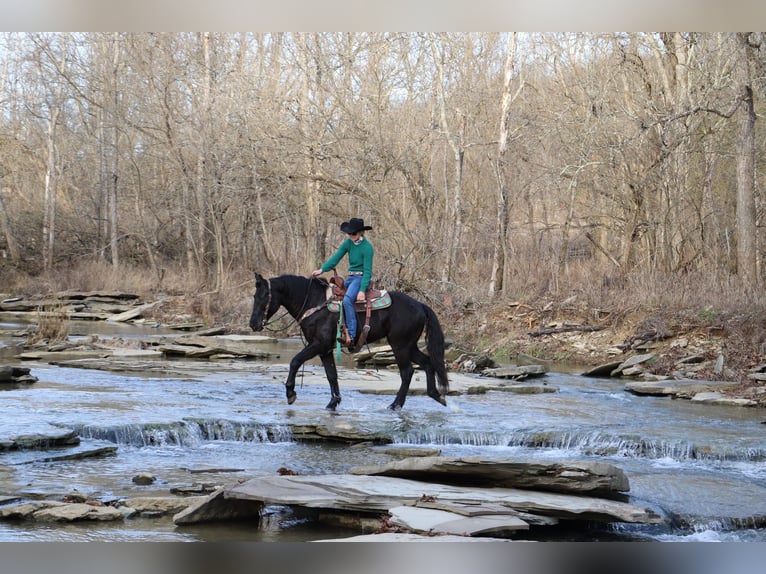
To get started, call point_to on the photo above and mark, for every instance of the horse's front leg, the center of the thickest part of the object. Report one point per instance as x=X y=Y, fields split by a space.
x=406 y=371
x=307 y=353
x=328 y=361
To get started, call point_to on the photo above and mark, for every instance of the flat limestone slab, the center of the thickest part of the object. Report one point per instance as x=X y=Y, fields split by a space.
x=715 y=398
x=429 y=520
x=49 y=356
x=681 y=388
x=380 y=493
x=567 y=477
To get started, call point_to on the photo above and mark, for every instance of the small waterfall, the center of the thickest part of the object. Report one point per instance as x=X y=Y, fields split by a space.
x=187 y=433
x=585 y=442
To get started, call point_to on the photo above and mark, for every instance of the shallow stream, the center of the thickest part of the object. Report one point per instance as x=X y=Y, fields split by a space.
x=703 y=466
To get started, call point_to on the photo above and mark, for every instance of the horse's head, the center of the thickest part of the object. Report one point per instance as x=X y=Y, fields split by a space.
x=264 y=304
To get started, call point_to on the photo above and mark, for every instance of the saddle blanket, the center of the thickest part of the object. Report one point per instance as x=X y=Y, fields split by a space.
x=380 y=302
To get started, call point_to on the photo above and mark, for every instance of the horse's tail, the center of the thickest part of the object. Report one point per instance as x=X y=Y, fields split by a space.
x=435 y=346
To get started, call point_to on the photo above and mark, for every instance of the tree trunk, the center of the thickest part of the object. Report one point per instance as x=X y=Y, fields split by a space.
x=500 y=252
x=5 y=227
x=113 y=228
x=311 y=185
x=746 y=213
x=455 y=142
x=49 y=200
x=201 y=194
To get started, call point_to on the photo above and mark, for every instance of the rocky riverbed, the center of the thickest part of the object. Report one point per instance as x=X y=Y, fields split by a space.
x=384 y=500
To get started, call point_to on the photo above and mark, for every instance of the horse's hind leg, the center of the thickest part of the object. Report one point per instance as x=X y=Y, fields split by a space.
x=425 y=361
x=332 y=377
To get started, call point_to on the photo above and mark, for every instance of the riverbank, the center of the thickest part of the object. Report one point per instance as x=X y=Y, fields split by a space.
x=679 y=344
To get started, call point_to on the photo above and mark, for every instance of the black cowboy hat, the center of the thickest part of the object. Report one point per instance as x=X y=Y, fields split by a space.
x=354 y=225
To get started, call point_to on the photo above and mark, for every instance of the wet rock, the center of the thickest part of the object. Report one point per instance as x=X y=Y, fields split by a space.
x=678 y=388
x=515 y=371
x=570 y=477
x=40 y=440
x=161 y=505
x=77 y=512
x=434 y=521
x=207 y=346
x=56 y=511
x=144 y=479
x=413 y=452
x=16 y=375
x=219 y=507
x=194 y=489
x=716 y=398
x=79 y=454
x=603 y=370
x=518 y=388
x=338 y=430
x=473 y=363
x=361 y=493
x=24 y=510
x=630 y=365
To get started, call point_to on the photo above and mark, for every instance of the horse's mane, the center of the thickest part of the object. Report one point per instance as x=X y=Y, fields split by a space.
x=298 y=282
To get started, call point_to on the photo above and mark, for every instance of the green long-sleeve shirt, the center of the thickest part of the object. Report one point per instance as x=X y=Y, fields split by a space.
x=359 y=259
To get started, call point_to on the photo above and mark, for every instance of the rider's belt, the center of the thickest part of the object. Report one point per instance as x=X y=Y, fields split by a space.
x=356 y=272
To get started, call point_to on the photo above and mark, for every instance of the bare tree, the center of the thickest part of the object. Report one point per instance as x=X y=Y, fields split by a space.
x=500 y=252
x=746 y=213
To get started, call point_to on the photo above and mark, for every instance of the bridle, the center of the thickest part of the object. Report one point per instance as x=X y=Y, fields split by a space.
x=300 y=317
x=266 y=306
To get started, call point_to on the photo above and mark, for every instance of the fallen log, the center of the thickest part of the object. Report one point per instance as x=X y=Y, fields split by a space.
x=568 y=329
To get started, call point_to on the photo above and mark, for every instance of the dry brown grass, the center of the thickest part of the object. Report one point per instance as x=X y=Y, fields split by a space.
x=589 y=292
x=52 y=326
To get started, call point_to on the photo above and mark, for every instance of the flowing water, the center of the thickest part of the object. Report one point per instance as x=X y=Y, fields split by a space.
x=702 y=466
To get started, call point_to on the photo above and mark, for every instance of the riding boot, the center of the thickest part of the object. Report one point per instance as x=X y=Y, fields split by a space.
x=344 y=338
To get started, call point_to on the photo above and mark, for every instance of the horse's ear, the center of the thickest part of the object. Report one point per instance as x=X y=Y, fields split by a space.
x=258 y=277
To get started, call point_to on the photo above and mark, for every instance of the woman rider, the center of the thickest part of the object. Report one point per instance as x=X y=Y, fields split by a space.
x=360 y=254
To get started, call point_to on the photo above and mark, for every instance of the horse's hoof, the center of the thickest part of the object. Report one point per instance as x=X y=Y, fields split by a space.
x=394 y=407
x=334 y=402
x=291 y=398
x=441 y=399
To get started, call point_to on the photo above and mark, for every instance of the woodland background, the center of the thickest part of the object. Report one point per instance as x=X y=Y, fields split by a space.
x=614 y=172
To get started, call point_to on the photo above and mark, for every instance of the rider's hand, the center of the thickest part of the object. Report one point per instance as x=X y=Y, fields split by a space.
x=316 y=272
x=360 y=296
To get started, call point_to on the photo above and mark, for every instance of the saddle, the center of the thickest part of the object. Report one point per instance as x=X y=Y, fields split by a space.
x=373 y=300
x=339 y=291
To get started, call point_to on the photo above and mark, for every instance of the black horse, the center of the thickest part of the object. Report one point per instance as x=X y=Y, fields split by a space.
x=402 y=323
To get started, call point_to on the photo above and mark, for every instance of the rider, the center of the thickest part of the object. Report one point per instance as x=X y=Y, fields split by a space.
x=360 y=254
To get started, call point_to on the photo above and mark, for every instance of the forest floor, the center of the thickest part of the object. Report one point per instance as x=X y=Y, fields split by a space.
x=682 y=343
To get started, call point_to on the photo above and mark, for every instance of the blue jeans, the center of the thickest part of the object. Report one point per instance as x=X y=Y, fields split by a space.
x=352 y=284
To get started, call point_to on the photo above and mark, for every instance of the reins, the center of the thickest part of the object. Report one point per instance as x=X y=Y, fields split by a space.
x=301 y=316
